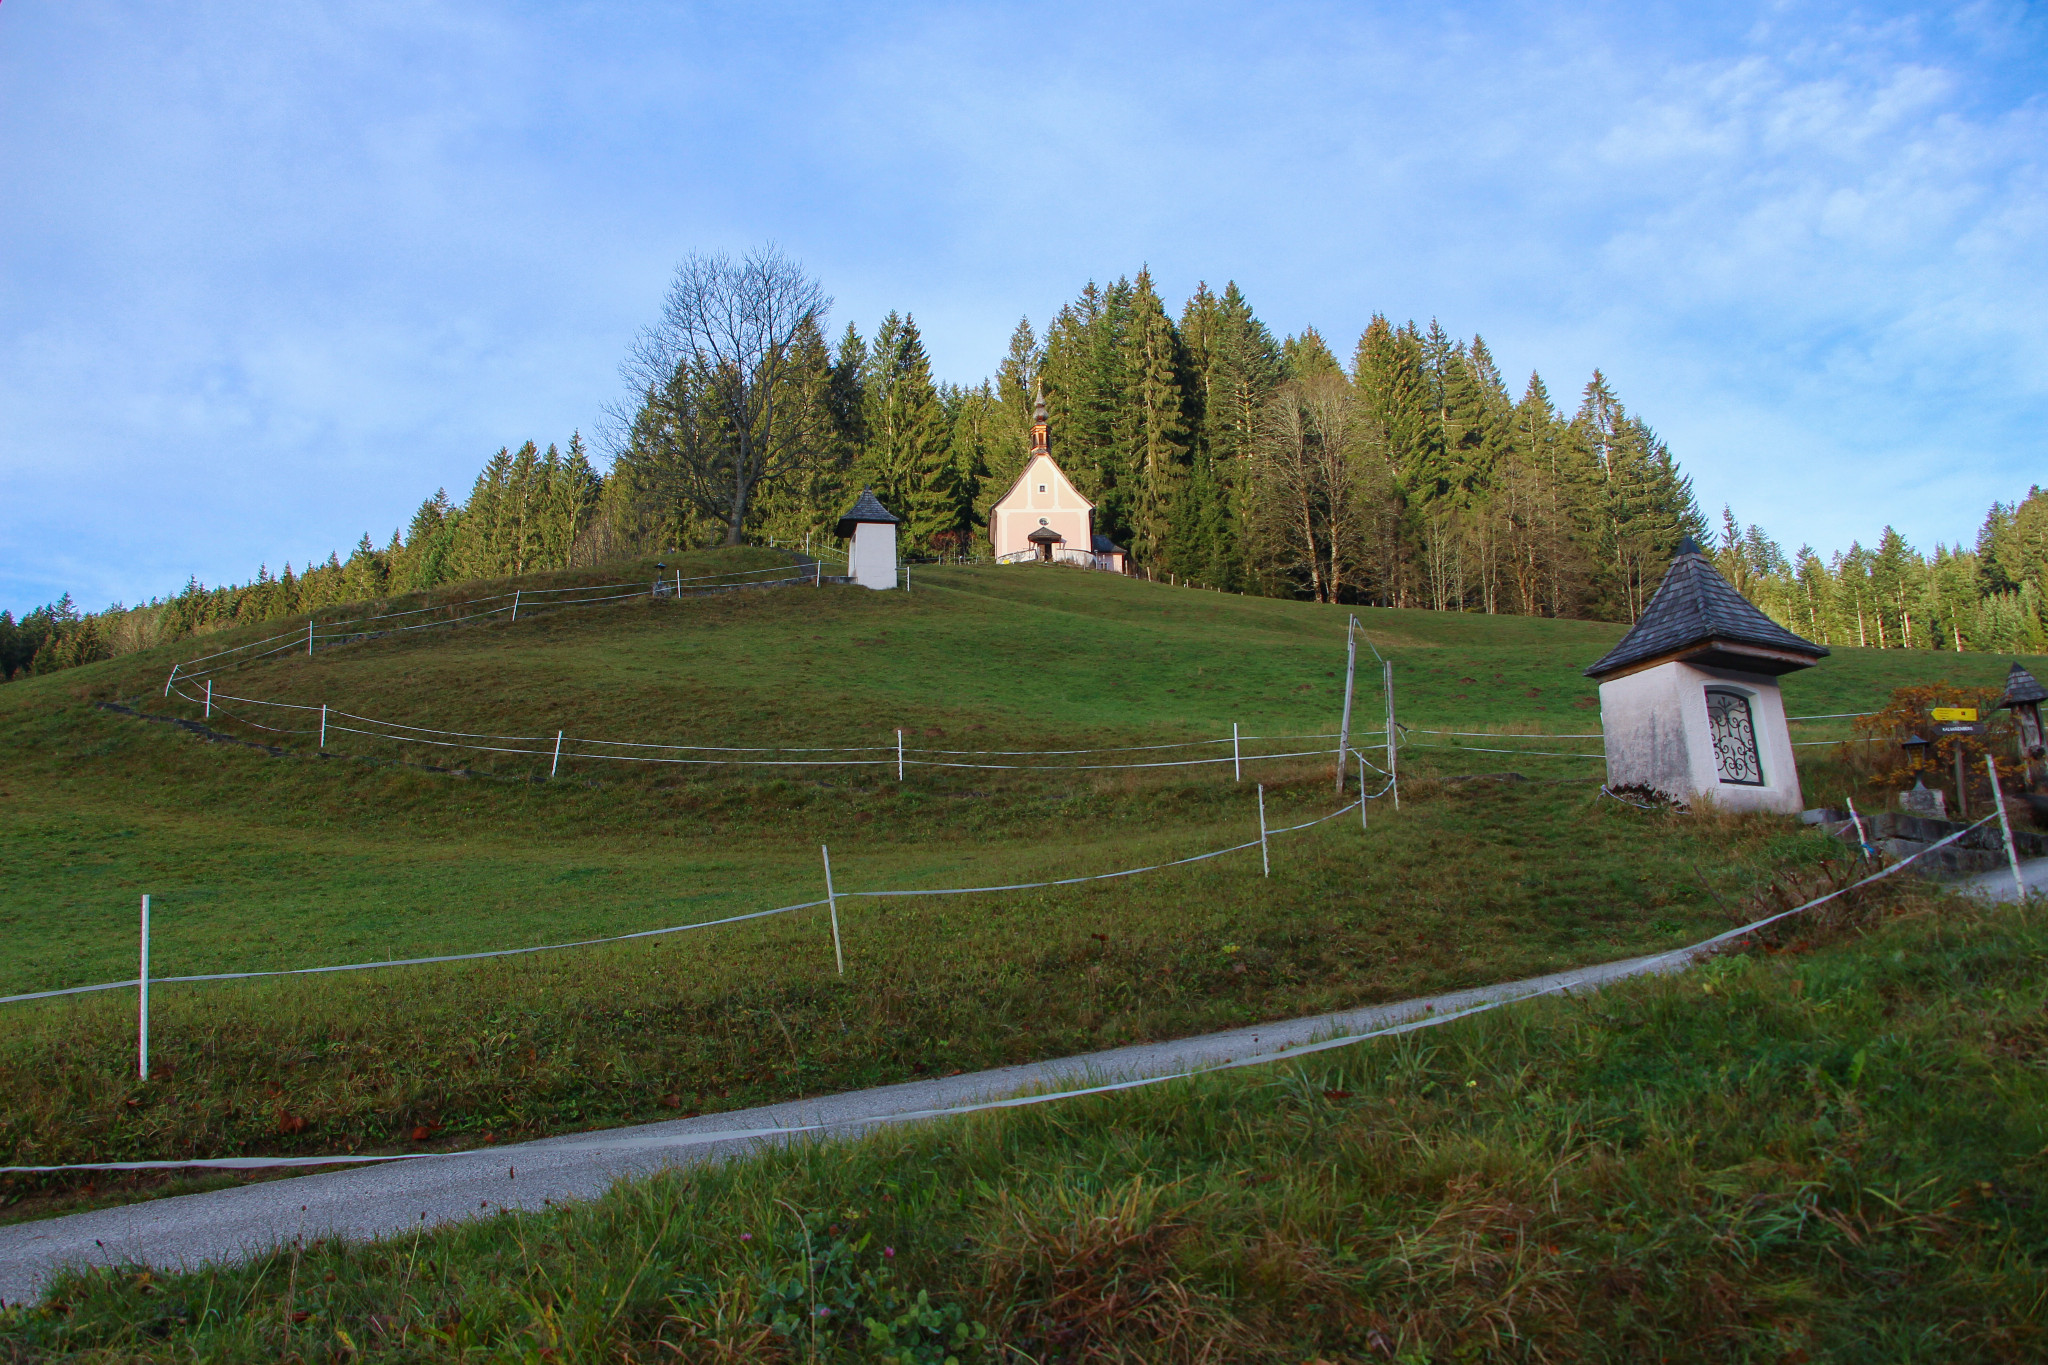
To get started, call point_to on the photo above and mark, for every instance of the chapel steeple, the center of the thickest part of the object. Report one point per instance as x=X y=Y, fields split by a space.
x=1039 y=442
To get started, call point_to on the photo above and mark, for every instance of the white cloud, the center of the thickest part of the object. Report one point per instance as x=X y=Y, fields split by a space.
x=271 y=275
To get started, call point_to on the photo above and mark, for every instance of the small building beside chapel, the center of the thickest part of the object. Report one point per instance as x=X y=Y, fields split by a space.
x=1044 y=517
x=871 y=527
x=1689 y=700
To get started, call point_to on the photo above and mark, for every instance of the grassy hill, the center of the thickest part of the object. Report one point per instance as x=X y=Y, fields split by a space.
x=1829 y=1152
x=260 y=861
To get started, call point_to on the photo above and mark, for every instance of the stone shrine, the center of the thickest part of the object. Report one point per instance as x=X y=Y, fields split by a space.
x=1689 y=700
x=871 y=559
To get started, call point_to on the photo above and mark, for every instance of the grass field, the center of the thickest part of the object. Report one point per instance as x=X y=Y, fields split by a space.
x=259 y=862
x=1825 y=1152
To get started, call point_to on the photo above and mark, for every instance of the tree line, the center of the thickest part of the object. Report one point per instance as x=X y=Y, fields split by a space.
x=1217 y=452
x=1991 y=597
x=526 y=512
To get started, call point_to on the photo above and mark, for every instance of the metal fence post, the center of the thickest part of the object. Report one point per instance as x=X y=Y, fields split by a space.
x=1265 y=862
x=142 y=1013
x=1344 y=730
x=1393 y=738
x=832 y=905
x=2012 y=858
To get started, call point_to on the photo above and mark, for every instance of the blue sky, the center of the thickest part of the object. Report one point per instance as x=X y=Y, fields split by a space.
x=270 y=273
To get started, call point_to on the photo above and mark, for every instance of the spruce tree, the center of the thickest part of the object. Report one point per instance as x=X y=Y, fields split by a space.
x=1237 y=364
x=1005 y=444
x=908 y=457
x=1159 y=436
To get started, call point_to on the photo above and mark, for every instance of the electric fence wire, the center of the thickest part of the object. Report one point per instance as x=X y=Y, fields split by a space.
x=679 y=928
x=343 y=630
x=547 y=745
x=1508 y=994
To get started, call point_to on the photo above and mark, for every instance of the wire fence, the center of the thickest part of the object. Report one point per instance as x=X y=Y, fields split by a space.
x=317 y=633
x=562 y=747
x=1265 y=833
x=667 y=1138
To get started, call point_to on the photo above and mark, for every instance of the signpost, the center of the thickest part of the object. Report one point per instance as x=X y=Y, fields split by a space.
x=1957 y=723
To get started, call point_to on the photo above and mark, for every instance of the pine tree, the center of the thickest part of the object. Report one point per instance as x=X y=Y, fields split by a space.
x=478 y=551
x=1394 y=388
x=1308 y=356
x=1006 y=443
x=1159 y=435
x=908 y=457
x=1086 y=398
x=1236 y=365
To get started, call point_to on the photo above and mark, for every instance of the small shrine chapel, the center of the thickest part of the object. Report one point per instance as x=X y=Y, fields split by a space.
x=1044 y=517
x=1689 y=700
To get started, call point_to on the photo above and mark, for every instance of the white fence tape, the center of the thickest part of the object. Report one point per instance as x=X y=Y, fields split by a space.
x=1477 y=749
x=592 y=594
x=645 y=1141
x=415 y=961
x=674 y=929
x=556 y=746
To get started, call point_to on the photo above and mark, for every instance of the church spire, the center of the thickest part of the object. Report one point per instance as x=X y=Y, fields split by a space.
x=1039 y=442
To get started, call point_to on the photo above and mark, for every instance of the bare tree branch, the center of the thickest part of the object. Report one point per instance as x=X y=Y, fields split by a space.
x=721 y=407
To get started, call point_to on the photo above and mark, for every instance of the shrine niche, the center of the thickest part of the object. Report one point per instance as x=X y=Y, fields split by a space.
x=1689 y=700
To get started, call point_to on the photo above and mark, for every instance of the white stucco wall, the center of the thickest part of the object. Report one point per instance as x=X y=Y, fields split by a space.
x=872 y=559
x=1018 y=513
x=1655 y=723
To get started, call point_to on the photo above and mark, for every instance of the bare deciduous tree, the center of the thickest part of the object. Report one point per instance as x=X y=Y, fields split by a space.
x=724 y=406
x=1306 y=457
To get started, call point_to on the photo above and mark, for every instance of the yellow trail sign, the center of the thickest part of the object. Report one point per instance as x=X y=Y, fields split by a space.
x=1954 y=713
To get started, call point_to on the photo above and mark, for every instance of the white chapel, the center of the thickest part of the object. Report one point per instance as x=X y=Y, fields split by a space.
x=1044 y=517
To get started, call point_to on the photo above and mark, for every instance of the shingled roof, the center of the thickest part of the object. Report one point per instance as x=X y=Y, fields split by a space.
x=1698 y=615
x=2022 y=686
x=865 y=508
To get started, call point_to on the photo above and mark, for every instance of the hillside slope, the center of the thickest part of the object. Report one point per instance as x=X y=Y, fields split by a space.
x=259 y=861
x=1824 y=1155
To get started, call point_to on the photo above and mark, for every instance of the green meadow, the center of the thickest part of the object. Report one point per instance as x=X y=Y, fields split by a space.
x=260 y=861
x=1824 y=1151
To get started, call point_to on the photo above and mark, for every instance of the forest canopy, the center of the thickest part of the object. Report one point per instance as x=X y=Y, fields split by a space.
x=1220 y=454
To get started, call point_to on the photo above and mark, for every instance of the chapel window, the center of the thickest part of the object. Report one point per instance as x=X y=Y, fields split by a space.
x=1732 y=729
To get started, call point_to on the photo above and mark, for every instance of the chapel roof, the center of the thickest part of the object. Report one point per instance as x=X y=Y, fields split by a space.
x=1024 y=477
x=865 y=509
x=2022 y=686
x=1698 y=614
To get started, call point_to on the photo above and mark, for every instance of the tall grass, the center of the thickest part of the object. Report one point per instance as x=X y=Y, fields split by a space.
x=755 y=1012
x=1828 y=1151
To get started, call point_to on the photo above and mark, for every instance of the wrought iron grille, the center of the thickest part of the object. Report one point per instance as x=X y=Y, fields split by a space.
x=1733 y=730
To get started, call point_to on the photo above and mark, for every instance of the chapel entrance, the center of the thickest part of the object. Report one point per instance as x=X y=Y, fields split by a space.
x=1045 y=538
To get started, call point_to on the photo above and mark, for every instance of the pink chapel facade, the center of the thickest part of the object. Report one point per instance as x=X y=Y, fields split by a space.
x=1044 y=518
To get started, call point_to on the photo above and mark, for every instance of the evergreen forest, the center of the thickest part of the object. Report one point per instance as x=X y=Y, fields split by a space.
x=1218 y=454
